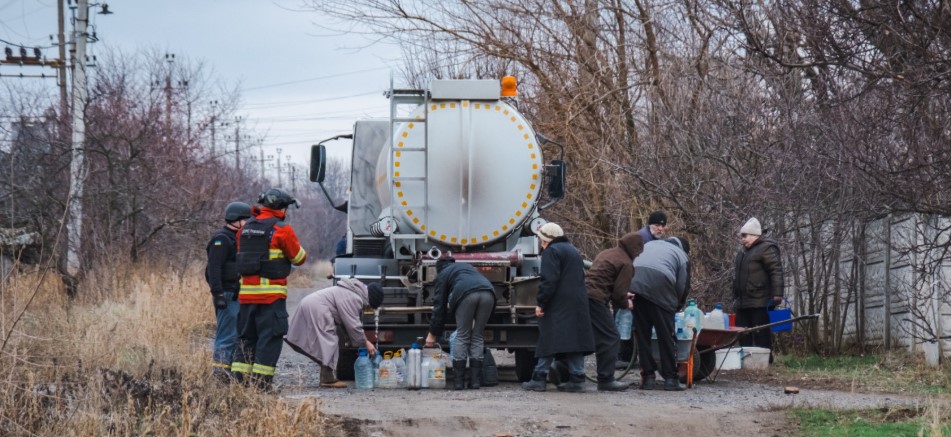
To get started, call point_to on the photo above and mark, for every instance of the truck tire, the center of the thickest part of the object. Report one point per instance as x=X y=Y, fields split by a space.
x=524 y=364
x=345 y=361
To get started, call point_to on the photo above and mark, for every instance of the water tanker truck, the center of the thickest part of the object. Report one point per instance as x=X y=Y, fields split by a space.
x=456 y=169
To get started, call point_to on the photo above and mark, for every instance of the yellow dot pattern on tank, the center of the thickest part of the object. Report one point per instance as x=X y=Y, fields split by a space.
x=524 y=206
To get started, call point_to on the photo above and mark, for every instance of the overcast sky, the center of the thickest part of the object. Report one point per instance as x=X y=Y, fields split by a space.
x=299 y=85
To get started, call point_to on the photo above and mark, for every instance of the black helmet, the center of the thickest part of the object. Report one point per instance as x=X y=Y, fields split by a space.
x=276 y=198
x=237 y=211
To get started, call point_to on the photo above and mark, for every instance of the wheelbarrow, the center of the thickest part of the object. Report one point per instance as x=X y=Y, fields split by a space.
x=701 y=360
x=711 y=340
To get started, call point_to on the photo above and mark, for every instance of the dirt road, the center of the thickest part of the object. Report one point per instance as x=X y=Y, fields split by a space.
x=725 y=407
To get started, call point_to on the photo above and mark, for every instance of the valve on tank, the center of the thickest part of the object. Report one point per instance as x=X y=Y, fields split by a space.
x=384 y=227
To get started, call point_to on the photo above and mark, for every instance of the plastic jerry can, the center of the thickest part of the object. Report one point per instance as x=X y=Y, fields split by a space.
x=437 y=371
x=386 y=372
x=363 y=371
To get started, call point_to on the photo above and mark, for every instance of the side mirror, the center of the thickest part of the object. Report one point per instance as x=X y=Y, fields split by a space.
x=556 y=183
x=318 y=163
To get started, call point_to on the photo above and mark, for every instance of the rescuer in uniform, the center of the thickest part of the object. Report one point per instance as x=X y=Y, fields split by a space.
x=267 y=247
x=222 y=276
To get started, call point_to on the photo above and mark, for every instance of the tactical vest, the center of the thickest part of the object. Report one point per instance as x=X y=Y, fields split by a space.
x=229 y=270
x=254 y=250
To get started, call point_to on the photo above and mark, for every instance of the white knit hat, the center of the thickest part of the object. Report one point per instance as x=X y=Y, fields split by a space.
x=550 y=231
x=752 y=227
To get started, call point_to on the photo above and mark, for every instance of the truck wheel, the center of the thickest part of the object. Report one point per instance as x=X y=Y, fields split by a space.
x=524 y=364
x=345 y=361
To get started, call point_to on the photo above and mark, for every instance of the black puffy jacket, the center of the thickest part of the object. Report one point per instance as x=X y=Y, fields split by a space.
x=758 y=275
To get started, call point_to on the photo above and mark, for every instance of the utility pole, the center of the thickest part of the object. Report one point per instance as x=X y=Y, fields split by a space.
x=77 y=166
x=293 y=178
x=237 y=144
x=279 y=167
x=263 y=160
x=61 y=21
x=214 y=115
x=169 y=58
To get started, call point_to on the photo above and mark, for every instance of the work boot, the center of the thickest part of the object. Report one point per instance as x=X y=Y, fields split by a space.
x=328 y=380
x=612 y=386
x=240 y=378
x=538 y=382
x=264 y=383
x=648 y=383
x=673 y=384
x=575 y=384
x=458 y=374
x=475 y=374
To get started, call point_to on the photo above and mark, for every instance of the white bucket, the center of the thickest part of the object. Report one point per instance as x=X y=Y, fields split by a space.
x=755 y=358
x=729 y=359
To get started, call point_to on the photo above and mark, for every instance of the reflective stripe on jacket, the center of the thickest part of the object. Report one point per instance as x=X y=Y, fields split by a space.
x=284 y=245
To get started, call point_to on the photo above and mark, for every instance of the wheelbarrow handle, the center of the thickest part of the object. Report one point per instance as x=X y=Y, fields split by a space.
x=746 y=331
x=781 y=322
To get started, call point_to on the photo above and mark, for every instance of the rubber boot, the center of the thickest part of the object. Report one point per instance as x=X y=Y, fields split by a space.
x=458 y=374
x=575 y=384
x=673 y=384
x=328 y=380
x=612 y=386
x=475 y=374
x=648 y=383
x=538 y=382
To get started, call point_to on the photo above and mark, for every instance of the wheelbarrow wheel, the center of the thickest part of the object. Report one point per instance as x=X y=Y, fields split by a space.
x=704 y=365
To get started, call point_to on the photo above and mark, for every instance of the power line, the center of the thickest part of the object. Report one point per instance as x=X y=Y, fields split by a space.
x=269 y=105
x=315 y=78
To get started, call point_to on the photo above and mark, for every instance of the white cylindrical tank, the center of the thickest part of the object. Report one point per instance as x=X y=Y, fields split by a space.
x=475 y=179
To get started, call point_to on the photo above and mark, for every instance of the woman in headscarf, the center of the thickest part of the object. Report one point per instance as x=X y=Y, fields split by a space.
x=313 y=329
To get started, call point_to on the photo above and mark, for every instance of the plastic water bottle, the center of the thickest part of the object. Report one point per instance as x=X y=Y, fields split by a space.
x=386 y=373
x=377 y=359
x=679 y=327
x=624 y=319
x=400 y=368
x=437 y=371
x=425 y=363
x=413 y=370
x=714 y=320
x=693 y=318
x=363 y=371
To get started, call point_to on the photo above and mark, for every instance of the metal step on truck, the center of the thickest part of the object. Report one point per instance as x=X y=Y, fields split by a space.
x=455 y=169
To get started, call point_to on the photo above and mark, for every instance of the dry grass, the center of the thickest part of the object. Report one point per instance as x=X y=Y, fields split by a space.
x=309 y=274
x=129 y=356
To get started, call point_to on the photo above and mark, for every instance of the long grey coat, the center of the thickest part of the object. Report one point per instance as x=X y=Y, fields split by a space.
x=313 y=330
x=566 y=327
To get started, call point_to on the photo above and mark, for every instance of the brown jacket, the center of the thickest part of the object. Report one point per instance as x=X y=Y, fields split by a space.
x=609 y=277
